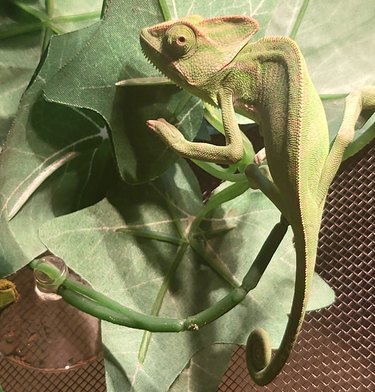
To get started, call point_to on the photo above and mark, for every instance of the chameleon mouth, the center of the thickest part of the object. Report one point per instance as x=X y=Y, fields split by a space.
x=147 y=55
x=158 y=60
x=152 y=55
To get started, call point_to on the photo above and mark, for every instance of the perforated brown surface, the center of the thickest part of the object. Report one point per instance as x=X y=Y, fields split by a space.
x=48 y=345
x=87 y=378
x=335 y=351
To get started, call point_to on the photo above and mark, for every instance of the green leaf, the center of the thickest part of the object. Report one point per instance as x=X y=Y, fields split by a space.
x=87 y=82
x=205 y=369
x=53 y=157
x=22 y=36
x=260 y=9
x=165 y=278
x=140 y=154
x=339 y=59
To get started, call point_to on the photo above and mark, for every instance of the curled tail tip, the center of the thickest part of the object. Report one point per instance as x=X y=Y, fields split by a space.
x=258 y=353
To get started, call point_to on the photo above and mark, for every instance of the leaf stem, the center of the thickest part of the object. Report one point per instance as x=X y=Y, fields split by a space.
x=45 y=21
x=99 y=305
x=329 y=97
x=299 y=19
x=220 y=172
x=152 y=235
x=77 y=17
x=146 y=339
x=50 y=7
x=165 y=10
x=228 y=193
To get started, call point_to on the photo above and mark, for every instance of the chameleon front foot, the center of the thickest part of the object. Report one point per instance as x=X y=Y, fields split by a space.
x=260 y=157
x=355 y=103
x=174 y=139
x=167 y=132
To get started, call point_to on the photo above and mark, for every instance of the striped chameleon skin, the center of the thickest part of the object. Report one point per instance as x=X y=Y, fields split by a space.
x=267 y=81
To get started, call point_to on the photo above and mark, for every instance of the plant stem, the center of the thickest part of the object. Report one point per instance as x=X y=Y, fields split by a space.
x=220 y=172
x=45 y=21
x=99 y=305
x=329 y=97
x=152 y=235
x=228 y=193
x=77 y=17
x=264 y=256
x=299 y=19
x=115 y=313
x=165 y=10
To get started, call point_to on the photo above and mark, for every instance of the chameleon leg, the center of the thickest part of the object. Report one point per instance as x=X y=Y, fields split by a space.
x=230 y=153
x=260 y=156
x=355 y=102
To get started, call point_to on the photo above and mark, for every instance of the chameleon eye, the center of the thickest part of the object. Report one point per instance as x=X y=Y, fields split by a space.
x=179 y=40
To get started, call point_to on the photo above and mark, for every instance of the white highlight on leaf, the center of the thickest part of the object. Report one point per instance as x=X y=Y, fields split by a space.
x=188 y=113
x=40 y=176
x=175 y=9
x=38 y=180
x=88 y=175
x=256 y=10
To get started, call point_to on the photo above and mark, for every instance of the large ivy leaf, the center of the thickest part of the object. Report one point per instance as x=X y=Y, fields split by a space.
x=205 y=369
x=155 y=277
x=52 y=158
x=262 y=10
x=336 y=41
x=88 y=81
x=24 y=30
x=46 y=136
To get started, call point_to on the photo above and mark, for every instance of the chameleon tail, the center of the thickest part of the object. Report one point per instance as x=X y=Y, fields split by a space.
x=263 y=368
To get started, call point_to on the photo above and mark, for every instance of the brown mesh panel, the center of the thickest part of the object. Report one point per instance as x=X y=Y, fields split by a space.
x=41 y=339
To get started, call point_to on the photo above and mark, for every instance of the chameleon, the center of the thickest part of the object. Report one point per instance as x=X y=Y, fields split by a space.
x=267 y=81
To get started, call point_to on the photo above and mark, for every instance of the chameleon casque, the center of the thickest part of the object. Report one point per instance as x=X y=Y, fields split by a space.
x=268 y=82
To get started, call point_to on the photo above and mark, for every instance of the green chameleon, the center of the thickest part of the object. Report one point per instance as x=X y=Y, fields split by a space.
x=266 y=81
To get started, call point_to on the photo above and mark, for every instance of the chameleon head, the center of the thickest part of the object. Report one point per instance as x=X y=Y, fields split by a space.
x=194 y=52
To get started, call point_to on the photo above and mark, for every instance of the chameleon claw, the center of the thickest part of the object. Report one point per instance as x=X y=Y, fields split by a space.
x=151 y=124
x=169 y=133
x=260 y=157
